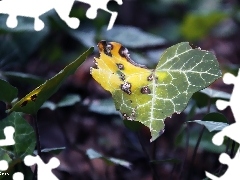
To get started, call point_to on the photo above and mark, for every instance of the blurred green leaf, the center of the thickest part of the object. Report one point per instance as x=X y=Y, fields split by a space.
x=68 y=100
x=212 y=125
x=7 y=91
x=202 y=97
x=212 y=93
x=24 y=135
x=103 y=106
x=206 y=141
x=85 y=37
x=216 y=117
x=131 y=37
x=23 y=77
x=35 y=99
x=92 y=154
x=196 y=26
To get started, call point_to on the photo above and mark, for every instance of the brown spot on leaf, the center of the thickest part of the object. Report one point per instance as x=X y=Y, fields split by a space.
x=34 y=97
x=120 y=66
x=150 y=77
x=24 y=103
x=106 y=47
x=145 y=90
x=126 y=87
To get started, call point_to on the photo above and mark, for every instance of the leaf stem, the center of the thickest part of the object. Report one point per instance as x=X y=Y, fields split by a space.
x=35 y=124
x=186 y=153
x=198 y=142
x=154 y=172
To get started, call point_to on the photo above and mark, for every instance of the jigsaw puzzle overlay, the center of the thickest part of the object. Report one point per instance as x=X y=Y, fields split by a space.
x=44 y=170
x=36 y=8
x=232 y=131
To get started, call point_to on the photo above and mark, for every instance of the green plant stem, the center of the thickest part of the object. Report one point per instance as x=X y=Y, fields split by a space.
x=198 y=142
x=154 y=172
x=35 y=124
x=186 y=153
x=195 y=152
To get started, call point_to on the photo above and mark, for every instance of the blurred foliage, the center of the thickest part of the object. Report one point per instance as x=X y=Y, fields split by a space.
x=28 y=58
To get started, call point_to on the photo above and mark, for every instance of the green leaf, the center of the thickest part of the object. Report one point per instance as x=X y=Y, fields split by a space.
x=211 y=125
x=23 y=77
x=206 y=141
x=24 y=135
x=151 y=95
x=104 y=106
x=35 y=99
x=207 y=95
x=68 y=100
x=213 y=121
x=216 y=117
x=7 y=91
x=85 y=37
x=92 y=154
x=196 y=26
x=132 y=37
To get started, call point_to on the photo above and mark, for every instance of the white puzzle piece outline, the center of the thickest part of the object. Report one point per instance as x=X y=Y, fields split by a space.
x=36 y=8
x=232 y=131
x=8 y=141
x=8 y=132
x=44 y=170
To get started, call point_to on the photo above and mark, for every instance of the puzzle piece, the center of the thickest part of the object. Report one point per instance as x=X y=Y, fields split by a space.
x=44 y=170
x=233 y=172
x=36 y=8
x=3 y=165
x=18 y=176
x=232 y=131
x=95 y=5
x=8 y=132
x=235 y=98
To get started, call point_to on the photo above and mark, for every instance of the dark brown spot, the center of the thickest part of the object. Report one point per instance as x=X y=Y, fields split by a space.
x=105 y=47
x=34 y=97
x=130 y=101
x=123 y=51
x=24 y=103
x=120 y=66
x=145 y=90
x=121 y=75
x=126 y=87
x=129 y=118
x=150 y=77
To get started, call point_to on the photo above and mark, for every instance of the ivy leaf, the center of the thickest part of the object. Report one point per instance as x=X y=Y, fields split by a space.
x=24 y=135
x=151 y=95
x=35 y=99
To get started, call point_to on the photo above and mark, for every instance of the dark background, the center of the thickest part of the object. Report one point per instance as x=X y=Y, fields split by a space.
x=146 y=28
